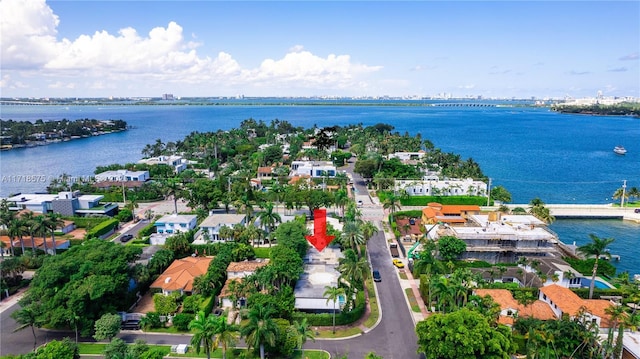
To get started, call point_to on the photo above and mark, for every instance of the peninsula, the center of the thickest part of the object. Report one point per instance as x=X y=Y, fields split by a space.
x=19 y=134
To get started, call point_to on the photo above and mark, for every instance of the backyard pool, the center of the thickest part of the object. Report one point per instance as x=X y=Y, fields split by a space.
x=585 y=282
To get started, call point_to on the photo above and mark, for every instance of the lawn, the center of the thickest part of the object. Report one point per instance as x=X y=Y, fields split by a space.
x=97 y=349
x=412 y=300
x=373 y=303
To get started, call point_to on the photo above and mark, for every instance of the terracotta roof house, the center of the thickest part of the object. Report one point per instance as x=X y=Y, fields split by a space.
x=265 y=172
x=180 y=274
x=236 y=271
x=245 y=268
x=509 y=307
x=453 y=214
x=38 y=243
x=563 y=301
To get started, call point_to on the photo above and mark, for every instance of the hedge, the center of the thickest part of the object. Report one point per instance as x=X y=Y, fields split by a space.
x=460 y=200
x=102 y=228
x=147 y=230
x=208 y=304
x=86 y=222
x=326 y=319
x=262 y=252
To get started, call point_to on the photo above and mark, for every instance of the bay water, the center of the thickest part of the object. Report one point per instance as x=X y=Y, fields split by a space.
x=531 y=151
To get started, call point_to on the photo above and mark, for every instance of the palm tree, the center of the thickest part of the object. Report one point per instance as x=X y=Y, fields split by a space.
x=226 y=335
x=333 y=293
x=204 y=328
x=173 y=187
x=538 y=209
x=392 y=203
x=16 y=229
x=596 y=249
x=54 y=220
x=269 y=218
x=303 y=332
x=260 y=328
x=40 y=227
x=368 y=230
x=352 y=236
x=27 y=219
x=27 y=317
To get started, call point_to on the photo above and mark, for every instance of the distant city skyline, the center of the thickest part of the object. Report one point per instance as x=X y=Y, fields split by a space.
x=498 y=49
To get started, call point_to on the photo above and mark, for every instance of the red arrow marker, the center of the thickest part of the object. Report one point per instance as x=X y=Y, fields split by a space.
x=320 y=239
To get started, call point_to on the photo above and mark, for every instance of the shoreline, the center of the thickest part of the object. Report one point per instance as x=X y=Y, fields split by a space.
x=33 y=144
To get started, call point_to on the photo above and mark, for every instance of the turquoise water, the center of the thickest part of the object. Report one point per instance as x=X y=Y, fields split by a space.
x=532 y=152
x=585 y=282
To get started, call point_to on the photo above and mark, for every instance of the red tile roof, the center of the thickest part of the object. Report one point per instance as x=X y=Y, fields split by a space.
x=504 y=298
x=180 y=274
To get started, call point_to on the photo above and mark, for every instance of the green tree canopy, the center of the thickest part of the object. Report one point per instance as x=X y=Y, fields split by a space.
x=88 y=280
x=450 y=247
x=463 y=334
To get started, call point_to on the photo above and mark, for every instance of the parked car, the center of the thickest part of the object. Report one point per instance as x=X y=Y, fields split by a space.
x=376 y=276
x=412 y=221
x=398 y=263
x=126 y=238
x=360 y=204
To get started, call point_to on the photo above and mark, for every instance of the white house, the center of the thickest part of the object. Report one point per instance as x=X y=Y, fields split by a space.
x=176 y=223
x=211 y=226
x=407 y=156
x=123 y=175
x=64 y=203
x=433 y=186
x=178 y=163
x=319 y=272
x=313 y=168
x=564 y=301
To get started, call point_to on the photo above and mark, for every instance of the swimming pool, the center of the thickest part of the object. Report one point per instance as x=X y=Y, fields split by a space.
x=585 y=282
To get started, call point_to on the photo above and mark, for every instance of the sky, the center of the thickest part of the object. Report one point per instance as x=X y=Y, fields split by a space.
x=505 y=49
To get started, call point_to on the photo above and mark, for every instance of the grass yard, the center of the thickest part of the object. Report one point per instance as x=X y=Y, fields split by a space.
x=403 y=275
x=412 y=300
x=97 y=349
x=373 y=303
x=340 y=333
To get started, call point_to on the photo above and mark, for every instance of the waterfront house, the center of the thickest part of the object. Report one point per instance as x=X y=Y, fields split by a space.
x=510 y=308
x=501 y=239
x=433 y=186
x=64 y=203
x=180 y=274
x=178 y=163
x=123 y=176
x=452 y=214
x=563 y=301
x=176 y=223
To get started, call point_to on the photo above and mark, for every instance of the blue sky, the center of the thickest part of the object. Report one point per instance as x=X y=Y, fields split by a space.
x=327 y=48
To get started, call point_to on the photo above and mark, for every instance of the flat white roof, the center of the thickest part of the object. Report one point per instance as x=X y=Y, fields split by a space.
x=177 y=218
x=223 y=218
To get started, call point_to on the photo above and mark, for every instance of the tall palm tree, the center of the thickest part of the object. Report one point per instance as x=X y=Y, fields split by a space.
x=596 y=249
x=226 y=335
x=260 y=328
x=40 y=227
x=204 y=328
x=54 y=220
x=27 y=317
x=172 y=187
x=352 y=236
x=333 y=293
x=27 y=219
x=16 y=229
x=392 y=203
x=368 y=230
x=269 y=218
x=303 y=332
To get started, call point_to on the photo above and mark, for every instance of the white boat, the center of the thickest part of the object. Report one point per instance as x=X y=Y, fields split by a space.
x=619 y=150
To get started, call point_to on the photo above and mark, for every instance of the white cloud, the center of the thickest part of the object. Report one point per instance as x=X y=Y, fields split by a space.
x=30 y=48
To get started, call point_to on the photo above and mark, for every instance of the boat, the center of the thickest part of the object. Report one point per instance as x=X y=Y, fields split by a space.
x=619 y=150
